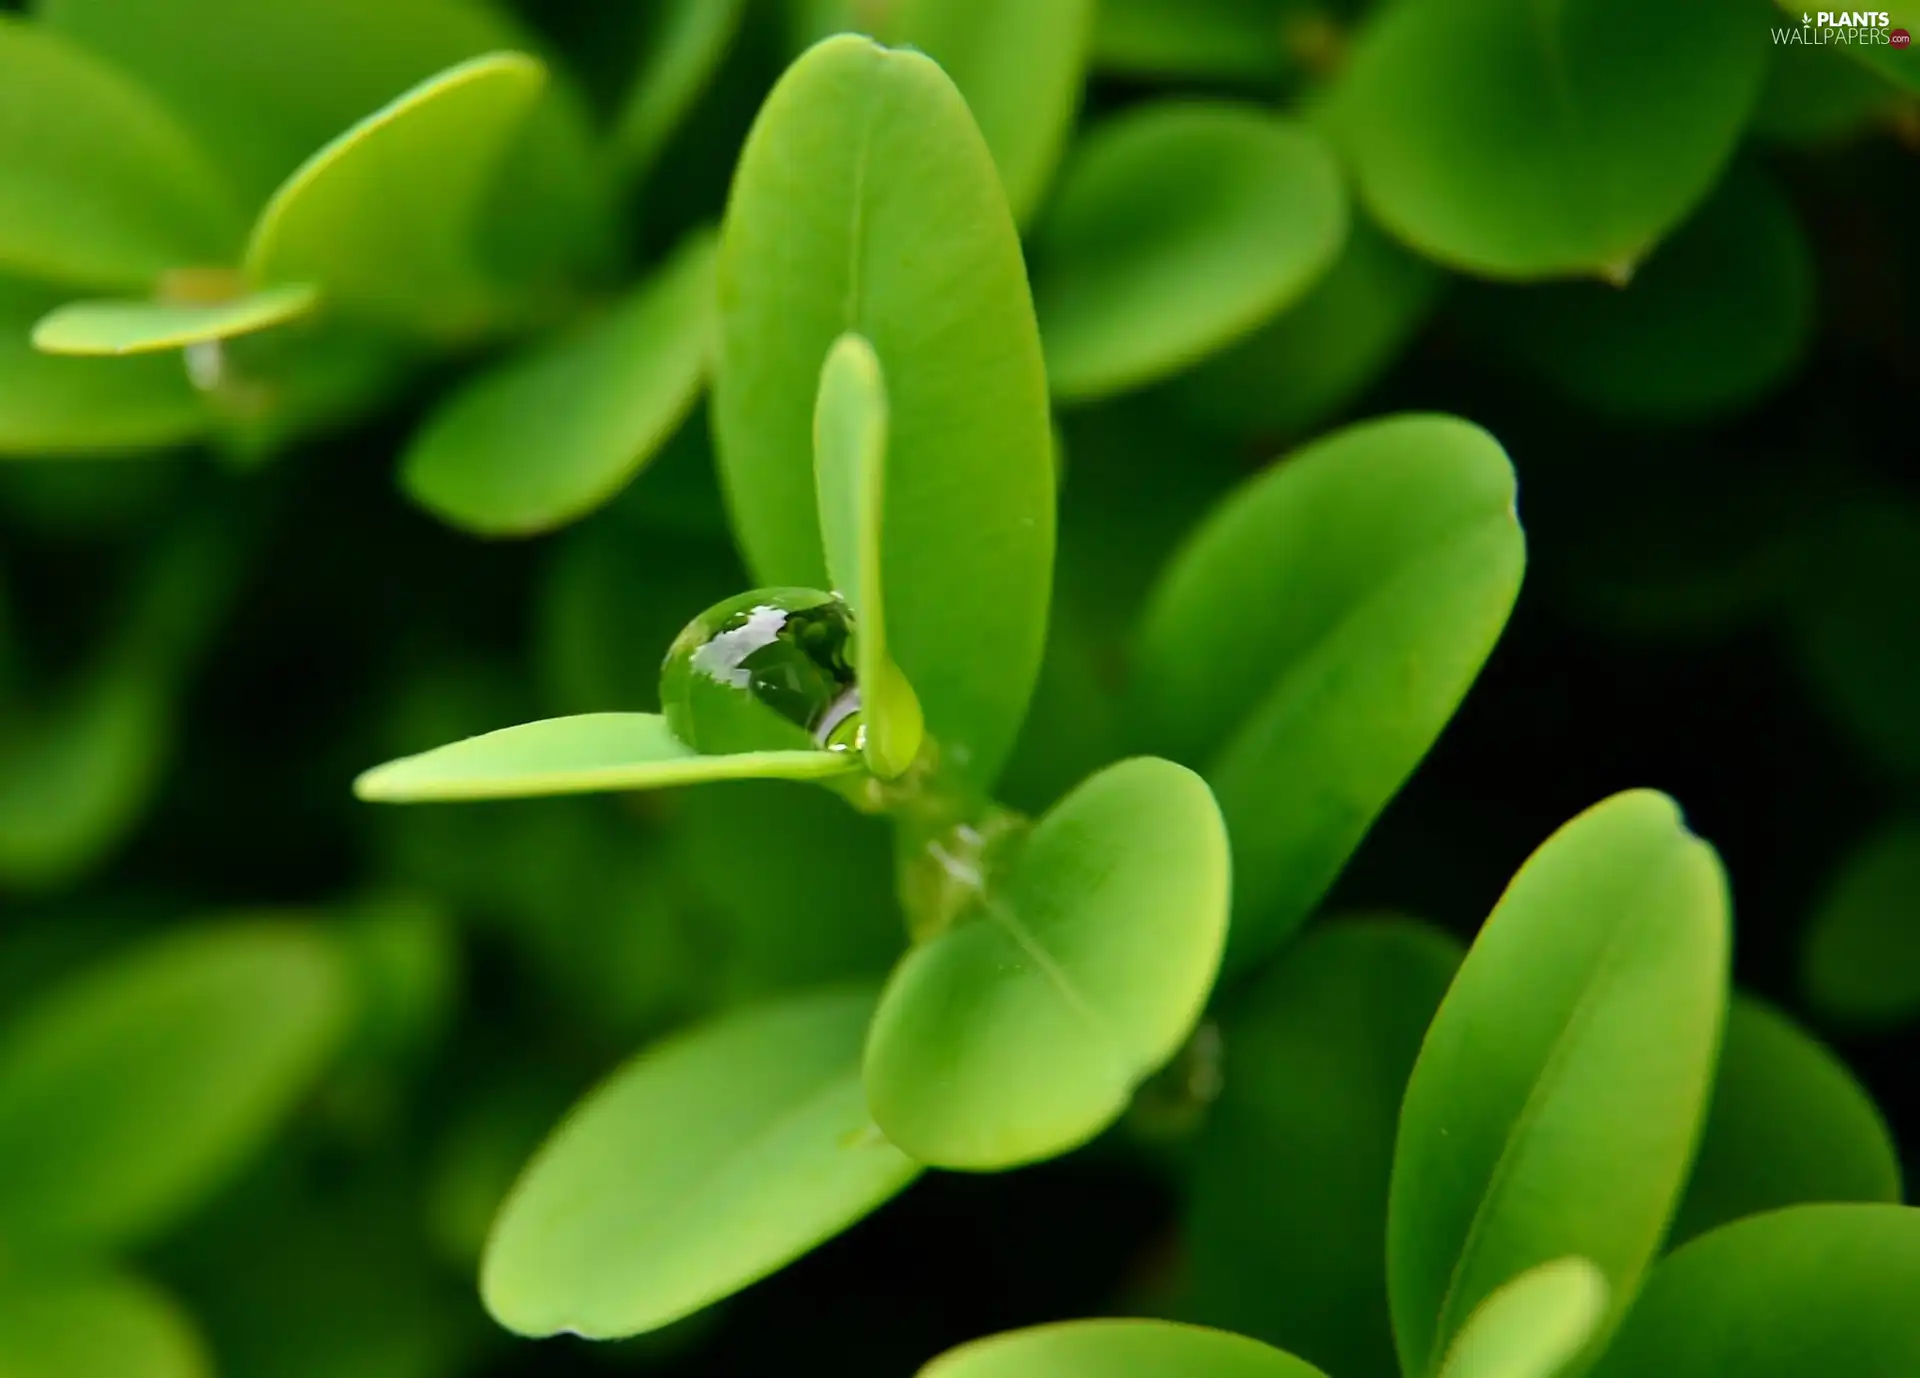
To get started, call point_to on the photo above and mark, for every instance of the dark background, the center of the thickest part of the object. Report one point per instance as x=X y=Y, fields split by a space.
x=346 y=585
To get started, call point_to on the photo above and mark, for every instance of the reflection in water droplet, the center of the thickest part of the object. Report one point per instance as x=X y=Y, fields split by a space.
x=764 y=671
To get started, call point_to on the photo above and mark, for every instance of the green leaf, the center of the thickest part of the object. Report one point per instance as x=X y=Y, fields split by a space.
x=1562 y=1086
x=1720 y=313
x=75 y=775
x=94 y=1325
x=1533 y=1326
x=1860 y=958
x=866 y=200
x=132 y=1091
x=1313 y=359
x=1021 y=65
x=1288 y=1200
x=1228 y=40
x=1856 y=625
x=704 y=1164
x=1117 y=1349
x=1518 y=140
x=100 y=187
x=140 y=327
x=1788 y=1125
x=551 y=435
x=688 y=40
x=1314 y=636
x=386 y=217
x=1021 y=1031
x=1178 y=228
x=79 y=764
x=1824 y=1290
x=587 y=753
x=850 y=465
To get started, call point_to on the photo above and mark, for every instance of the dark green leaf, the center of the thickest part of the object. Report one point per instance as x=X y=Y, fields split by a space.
x=1812 y=1290
x=866 y=200
x=1524 y=141
x=704 y=1164
x=1788 y=1125
x=1021 y=1031
x=1861 y=956
x=1309 y=362
x=1314 y=636
x=688 y=41
x=129 y=1093
x=98 y=186
x=1178 y=227
x=1717 y=315
x=549 y=436
x=1288 y=1202
x=1562 y=1086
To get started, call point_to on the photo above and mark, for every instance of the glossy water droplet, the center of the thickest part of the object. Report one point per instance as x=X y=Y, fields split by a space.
x=770 y=670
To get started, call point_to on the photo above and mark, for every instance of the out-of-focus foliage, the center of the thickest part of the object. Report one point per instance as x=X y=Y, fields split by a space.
x=1080 y=379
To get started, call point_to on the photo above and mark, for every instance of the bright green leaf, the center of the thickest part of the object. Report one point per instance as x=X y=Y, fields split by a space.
x=1177 y=229
x=1562 y=1086
x=1117 y=1349
x=386 y=218
x=1314 y=358
x=98 y=186
x=1860 y=959
x=139 y=327
x=703 y=1165
x=1314 y=636
x=1021 y=1031
x=1518 y=140
x=587 y=753
x=688 y=39
x=132 y=1091
x=1720 y=313
x=548 y=437
x=850 y=464
x=1287 y=1205
x=1533 y=1326
x=866 y=200
x=94 y=1325
x=1788 y=1125
x=1812 y=1290
x=1020 y=64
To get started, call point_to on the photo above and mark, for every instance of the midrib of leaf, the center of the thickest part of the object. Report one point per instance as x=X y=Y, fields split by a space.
x=1056 y=976
x=857 y=228
x=1436 y=553
x=1542 y=1091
